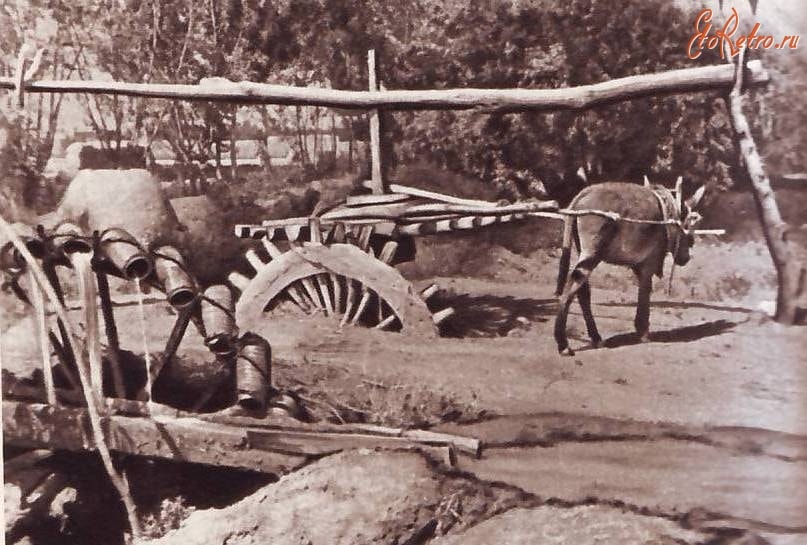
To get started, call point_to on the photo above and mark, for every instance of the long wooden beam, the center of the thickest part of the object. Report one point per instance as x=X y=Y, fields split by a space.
x=683 y=80
x=244 y=443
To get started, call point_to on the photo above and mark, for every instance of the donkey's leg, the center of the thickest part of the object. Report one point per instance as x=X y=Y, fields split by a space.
x=642 y=321
x=578 y=278
x=584 y=297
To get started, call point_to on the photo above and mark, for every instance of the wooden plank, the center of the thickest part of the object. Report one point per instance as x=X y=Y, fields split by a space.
x=317 y=443
x=450 y=199
x=42 y=330
x=232 y=441
x=293 y=231
x=13 y=389
x=385 y=198
x=411 y=229
x=405 y=210
x=178 y=439
x=442 y=226
x=465 y=222
x=699 y=78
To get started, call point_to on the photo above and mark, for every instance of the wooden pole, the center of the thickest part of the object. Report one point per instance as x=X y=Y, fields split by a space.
x=111 y=330
x=42 y=330
x=377 y=173
x=684 y=80
x=97 y=432
x=788 y=269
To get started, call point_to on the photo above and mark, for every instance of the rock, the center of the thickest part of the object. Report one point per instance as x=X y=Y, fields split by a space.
x=582 y=525
x=211 y=250
x=131 y=200
x=350 y=498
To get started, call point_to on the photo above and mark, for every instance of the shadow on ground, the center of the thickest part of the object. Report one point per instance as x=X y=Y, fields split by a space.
x=677 y=335
x=683 y=305
x=490 y=315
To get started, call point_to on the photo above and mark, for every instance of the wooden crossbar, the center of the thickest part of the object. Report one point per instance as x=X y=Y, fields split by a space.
x=683 y=80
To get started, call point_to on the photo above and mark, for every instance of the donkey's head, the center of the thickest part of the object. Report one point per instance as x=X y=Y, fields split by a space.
x=690 y=217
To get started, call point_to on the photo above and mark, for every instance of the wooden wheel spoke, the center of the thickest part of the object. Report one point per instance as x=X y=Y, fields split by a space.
x=322 y=282
x=365 y=299
x=350 y=301
x=344 y=280
x=312 y=293
x=336 y=283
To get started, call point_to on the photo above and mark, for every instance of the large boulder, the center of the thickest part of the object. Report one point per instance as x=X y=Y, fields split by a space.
x=127 y=199
x=346 y=499
x=211 y=248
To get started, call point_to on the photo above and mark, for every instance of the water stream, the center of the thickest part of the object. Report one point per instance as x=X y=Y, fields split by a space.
x=146 y=355
x=88 y=293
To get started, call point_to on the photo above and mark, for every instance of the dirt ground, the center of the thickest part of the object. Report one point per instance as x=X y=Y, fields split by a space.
x=623 y=444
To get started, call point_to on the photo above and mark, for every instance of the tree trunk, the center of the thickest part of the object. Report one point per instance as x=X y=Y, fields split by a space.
x=233 y=148
x=786 y=244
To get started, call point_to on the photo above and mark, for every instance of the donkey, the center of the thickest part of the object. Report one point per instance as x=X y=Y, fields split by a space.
x=640 y=246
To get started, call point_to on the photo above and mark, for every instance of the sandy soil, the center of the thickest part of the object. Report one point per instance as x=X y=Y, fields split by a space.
x=620 y=442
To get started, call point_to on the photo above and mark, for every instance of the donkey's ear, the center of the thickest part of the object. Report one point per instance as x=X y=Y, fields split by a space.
x=696 y=198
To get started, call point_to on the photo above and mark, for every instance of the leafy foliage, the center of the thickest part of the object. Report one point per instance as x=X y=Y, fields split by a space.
x=426 y=44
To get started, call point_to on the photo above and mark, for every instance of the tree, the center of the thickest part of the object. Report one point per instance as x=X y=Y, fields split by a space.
x=32 y=129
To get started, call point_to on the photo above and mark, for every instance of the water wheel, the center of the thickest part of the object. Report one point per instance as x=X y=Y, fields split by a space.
x=335 y=276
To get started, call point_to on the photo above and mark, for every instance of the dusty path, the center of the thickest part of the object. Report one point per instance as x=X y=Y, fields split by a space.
x=707 y=365
x=710 y=414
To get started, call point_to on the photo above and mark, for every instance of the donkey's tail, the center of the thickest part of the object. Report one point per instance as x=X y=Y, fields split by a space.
x=565 y=253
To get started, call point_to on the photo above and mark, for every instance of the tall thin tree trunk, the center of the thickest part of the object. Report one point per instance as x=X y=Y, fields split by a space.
x=233 y=150
x=783 y=245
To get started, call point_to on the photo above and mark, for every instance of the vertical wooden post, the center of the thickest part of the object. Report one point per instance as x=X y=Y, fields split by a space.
x=111 y=329
x=377 y=185
x=42 y=330
x=788 y=267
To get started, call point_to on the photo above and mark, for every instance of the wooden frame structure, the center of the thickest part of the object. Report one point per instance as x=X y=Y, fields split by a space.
x=276 y=447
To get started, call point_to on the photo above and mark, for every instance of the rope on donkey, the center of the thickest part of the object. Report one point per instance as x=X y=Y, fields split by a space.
x=614 y=216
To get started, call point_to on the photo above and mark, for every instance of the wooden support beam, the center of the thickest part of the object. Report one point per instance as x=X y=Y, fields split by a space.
x=179 y=439
x=254 y=444
x=42 y=331
x=174 y=338
x=701 y=78
x=377 y=172
x=111 y=330
x=395 y=211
